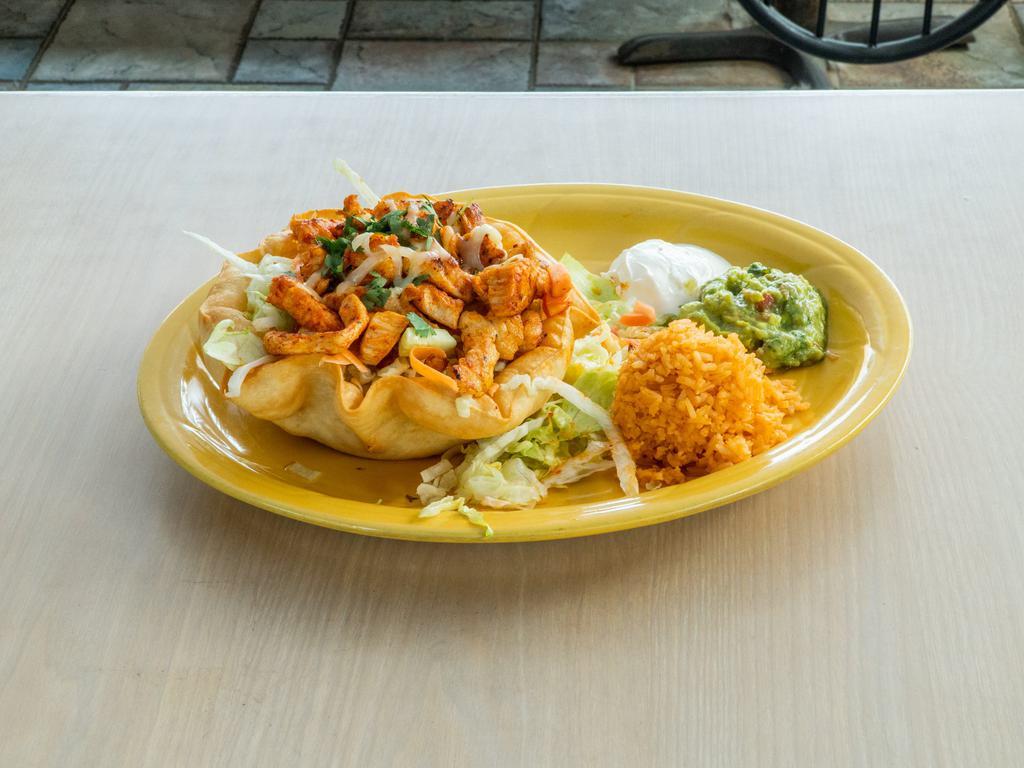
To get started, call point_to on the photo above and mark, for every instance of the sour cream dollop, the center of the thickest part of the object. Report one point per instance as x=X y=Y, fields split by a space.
x=665 y=275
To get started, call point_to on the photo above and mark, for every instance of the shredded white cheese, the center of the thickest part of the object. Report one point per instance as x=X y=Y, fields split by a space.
x=355 y=277
x=313 y=279
x=469 y=249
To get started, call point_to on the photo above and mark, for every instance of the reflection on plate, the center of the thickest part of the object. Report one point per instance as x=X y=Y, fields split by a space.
x=869 y=336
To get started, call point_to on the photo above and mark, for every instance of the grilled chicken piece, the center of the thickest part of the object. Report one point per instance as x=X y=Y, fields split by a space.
x=444 y=210
x=352 y=206
x=308 y=230
x=353 y=312
x=309 y=261
x=283 y=343
x=384 y=207
x=474 y=372
x=303 y=304
x=382 y=333
x=507 y=288
x=434 y=303
x=510 y=335
x=324 y=343
x=491 y=252
x=469 y=218
x=444 y=271
x=533 y=329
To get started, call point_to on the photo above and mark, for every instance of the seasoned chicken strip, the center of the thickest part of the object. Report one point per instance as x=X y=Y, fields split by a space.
x=507 y=288
x=353 y=312
x=444 y=271
x=331 y=343
x=382 y=333
x=510 y=335
x=303 y=304
x=434 y=303
x=474 y=372
x=533 y=329
x=326 y=343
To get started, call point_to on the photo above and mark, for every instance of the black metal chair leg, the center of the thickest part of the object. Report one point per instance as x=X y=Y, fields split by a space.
x=753 y=44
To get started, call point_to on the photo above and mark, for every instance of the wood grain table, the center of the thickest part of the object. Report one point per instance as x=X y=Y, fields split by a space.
x=868 y=612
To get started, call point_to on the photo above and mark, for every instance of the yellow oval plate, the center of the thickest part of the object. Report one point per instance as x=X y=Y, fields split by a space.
x=869 y=336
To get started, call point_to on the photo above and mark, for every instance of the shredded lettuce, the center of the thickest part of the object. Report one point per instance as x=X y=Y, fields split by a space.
x=231 y=347
x=569 y=438
x=593 y=287
x=370 y=199
x=599 y=290
x=265 y=316
x=457 y=504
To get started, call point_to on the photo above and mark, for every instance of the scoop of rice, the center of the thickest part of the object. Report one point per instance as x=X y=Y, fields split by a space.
x=689 y=402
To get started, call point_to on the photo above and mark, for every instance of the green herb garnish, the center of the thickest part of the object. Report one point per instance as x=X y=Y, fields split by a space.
x=420 y=278
x=376 y=293
x=396 y=223
x=334 y=261
x=420 y=327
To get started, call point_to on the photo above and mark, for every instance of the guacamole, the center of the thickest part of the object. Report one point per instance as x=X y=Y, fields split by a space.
x=777 y=315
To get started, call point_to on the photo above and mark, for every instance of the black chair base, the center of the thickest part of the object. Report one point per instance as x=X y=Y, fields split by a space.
x=755 y=44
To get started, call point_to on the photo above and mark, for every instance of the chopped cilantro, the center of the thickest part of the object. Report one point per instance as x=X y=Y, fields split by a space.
x=376 y=293
x=420 y=327
x=334 y=261
x=396 y=223
x=420 y=278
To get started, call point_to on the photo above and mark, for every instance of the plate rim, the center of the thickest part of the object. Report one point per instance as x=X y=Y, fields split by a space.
x=646 y=512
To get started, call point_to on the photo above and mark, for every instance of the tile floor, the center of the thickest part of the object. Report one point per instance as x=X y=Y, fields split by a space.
x=429 y=45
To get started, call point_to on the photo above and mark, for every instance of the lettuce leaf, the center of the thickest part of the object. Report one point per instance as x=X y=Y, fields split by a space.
x=560 y=444
x=265 y=316
x=599 y=290
x=231 y=347
x=593 y=287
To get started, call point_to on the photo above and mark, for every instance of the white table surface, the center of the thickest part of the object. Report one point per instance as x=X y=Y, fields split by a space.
x=867 y=612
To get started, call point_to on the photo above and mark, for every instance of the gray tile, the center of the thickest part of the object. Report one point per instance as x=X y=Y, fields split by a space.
x=221 y=87
x=712 y=75
x=994 y=60
x=581 y=64
x=443 y=19
x=299 y=19
x=154 y=39
x=73 y=87
x=616 y=20
x=28 y=18
x=285 y=61
x=15 y=56
x=433 y=66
